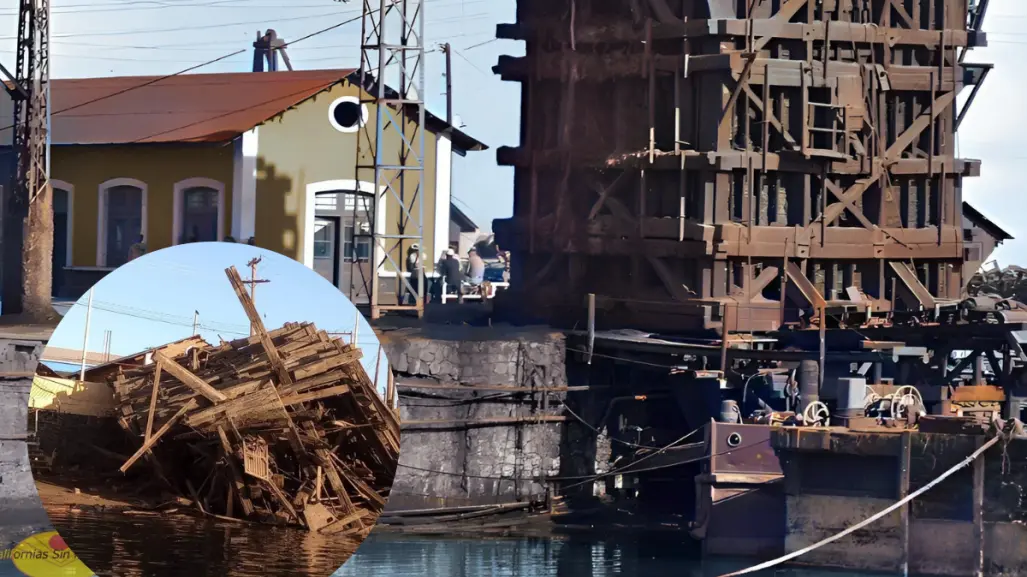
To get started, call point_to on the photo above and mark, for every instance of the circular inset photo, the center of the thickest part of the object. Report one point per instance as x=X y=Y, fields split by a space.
x=211 y=409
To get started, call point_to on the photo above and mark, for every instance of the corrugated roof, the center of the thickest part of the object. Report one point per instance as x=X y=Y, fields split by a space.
x=188 y=107
x=184 y=108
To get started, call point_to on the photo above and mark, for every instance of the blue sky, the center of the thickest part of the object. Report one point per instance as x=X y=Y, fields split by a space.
x=151 y=301
x=136 y=37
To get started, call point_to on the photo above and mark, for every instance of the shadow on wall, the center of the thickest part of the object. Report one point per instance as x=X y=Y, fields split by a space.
x=277 y=216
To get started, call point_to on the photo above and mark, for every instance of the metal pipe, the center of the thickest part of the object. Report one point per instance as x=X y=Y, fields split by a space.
x=591 y=325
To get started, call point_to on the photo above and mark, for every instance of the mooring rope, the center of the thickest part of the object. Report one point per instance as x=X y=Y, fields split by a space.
x=873 y=518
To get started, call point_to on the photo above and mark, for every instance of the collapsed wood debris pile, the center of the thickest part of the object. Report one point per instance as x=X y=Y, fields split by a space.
x=282 y=427
x=1009 y=282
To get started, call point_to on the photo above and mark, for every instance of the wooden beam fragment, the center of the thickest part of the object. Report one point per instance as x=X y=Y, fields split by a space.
x=340 y=525
x=237 y=478
x=274 y=358
x=153 y=402
x=316 y=395
x=188 y=379
x=188 y=406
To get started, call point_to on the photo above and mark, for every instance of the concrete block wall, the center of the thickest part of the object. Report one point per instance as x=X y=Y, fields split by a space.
x=21 y=513
x=458 y=465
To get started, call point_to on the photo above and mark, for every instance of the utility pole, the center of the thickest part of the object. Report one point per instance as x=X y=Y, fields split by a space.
x=85 y=337
x=448 y=51
x=253 y=282
x=27 y=203
x=196 y=322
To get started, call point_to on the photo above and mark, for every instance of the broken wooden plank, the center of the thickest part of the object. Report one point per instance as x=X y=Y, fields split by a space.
x=258 y=325
x=240 y=485
x=153 y=401
x=315 y=395
x=189 y=379
x=160 y=433
x=340 y=525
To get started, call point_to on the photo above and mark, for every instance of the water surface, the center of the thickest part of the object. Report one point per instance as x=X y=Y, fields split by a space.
x=390 y=555
x=127 y=546
x=134 y=546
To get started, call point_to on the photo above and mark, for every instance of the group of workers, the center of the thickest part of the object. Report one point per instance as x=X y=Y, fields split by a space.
x=453 y=274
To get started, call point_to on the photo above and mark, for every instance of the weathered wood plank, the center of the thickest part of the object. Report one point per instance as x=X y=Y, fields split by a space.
x=160 y=433
x=188 y=379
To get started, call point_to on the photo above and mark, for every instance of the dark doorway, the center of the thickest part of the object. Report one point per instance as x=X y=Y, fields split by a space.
x=61 y=217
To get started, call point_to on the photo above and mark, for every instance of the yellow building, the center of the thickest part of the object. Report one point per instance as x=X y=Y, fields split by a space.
x=201 y=157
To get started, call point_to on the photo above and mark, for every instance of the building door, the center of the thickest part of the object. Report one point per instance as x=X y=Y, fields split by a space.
x=348 y=215
x=356 y=268
x=326 y=248
x=60 y=238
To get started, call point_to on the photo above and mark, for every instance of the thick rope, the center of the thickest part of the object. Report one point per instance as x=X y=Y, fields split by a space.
x=871 y=519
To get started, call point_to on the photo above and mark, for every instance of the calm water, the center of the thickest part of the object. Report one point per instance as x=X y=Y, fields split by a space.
x=127 y=546
x=386 y=555
x=133 y=546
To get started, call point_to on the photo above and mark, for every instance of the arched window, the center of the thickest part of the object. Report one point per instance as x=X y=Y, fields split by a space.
x=122 y=220
x=199 y=214
x=198 y=211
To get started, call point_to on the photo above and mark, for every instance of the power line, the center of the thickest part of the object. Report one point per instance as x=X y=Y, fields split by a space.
x=481 y=44
x=164 y=320
x=264 y=22
x=223 y=115
x=217 y=4
x=320 y=16
x=468 y=60
x=185 y=71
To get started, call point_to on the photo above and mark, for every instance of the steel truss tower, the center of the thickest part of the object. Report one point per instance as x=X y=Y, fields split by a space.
x=28 y=216
x=392 y=51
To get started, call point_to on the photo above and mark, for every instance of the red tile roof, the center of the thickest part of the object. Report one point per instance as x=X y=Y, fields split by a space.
x=184 y=108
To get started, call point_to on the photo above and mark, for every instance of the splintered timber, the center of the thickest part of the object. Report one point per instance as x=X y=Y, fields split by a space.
x=282 y=427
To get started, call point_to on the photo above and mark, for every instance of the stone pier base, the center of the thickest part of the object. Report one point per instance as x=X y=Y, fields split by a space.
x=469 y=446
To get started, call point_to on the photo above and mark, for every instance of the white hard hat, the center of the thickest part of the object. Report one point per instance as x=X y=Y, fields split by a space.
x=450 y=252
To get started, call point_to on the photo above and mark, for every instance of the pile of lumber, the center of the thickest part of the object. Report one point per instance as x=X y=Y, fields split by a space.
x=282 y=427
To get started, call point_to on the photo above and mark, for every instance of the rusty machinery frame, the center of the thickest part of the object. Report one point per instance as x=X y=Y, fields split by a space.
x=763 y=163
x=392 y=44
x=27 y=204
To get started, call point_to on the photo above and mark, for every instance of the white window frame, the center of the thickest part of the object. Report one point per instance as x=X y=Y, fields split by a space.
x=364 y=114
x=70 y=190
x=101 y=217
x=345 y=186
x=178 y=217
